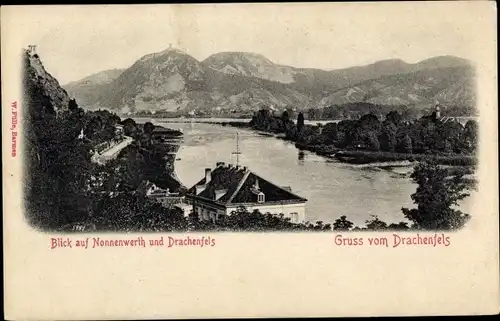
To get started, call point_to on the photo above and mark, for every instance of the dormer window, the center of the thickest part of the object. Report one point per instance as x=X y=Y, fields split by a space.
x=261 y=198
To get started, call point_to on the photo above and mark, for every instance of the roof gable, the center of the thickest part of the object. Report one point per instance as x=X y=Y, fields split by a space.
x=222 y=177
x=272 y=192
x=238 y=184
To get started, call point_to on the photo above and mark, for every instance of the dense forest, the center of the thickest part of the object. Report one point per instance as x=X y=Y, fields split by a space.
x=408 y=112
x=64 y=187
x=58 y=165
x=358 y=109
x=392 y=135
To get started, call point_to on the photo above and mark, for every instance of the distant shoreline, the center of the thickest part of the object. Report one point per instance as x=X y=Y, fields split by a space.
x=369 y=157
x=215 y=120
x=353 y=157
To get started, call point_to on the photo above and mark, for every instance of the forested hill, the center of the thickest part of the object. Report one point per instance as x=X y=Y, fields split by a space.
x=62 y=185
x=57 y=162
x=173 y=81
x=59 y=138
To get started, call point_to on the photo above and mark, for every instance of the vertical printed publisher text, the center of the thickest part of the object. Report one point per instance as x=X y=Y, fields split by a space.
x=13 y=128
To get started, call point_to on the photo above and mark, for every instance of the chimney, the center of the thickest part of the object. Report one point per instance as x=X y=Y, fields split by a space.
x=208 y=175
x=200 y=188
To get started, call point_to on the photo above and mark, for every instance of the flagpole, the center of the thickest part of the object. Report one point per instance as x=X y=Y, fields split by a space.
x=237 y=153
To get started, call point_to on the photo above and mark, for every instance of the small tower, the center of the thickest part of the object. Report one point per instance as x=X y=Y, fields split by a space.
x=438 y=111
x=32 y=50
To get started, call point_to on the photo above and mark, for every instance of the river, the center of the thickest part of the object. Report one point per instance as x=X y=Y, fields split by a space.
x=332 y=188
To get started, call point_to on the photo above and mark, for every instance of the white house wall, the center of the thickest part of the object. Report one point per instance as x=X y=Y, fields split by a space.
x=207 y=211
x=286 y=209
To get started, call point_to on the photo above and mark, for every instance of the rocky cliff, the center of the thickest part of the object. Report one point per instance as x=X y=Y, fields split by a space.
x=43 y=80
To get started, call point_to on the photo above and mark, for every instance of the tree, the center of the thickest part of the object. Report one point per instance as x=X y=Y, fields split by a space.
x=436 y=195
x=291 y=131
x=346 y=130
x=100 y=126
x=342 y=224
x=470 y=135
x=369 y=122
x=407 y=144
x=300 y=122
x=375 y=224
x=287 y=126
x=401 y=226
x=129 y=127
x=243 y=220
x=449 y=137
x=388 y=137
x=321 y=226
x=130 y=169
x=368 y=129
x=394 y=117
x=330 y=131
x=261 y=120
x=148 y=128
x=372 y=141
x=285 y=117
x=72 y=106
x=129 y=213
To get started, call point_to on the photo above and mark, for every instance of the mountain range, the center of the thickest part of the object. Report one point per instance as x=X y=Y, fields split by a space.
x=172 y=80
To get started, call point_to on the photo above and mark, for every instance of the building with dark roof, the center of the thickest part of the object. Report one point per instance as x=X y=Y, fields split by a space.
x=163 y=196
x=225 y=188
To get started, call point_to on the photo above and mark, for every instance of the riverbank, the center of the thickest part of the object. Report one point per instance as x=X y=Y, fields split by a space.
x=333 y=188
x=354 y=157
x=365 y=157
x=155 y=151
x=216 y=120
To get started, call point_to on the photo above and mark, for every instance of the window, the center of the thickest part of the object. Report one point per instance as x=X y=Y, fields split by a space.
x=294 y=217
x=261 y=198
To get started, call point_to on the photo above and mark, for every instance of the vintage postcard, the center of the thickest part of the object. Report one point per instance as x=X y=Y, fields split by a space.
x=250 y=160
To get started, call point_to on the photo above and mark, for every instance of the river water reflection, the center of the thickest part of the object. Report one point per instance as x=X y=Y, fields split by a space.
x=332 y=188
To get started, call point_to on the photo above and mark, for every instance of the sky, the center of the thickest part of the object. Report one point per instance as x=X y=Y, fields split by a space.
x=76 y=41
